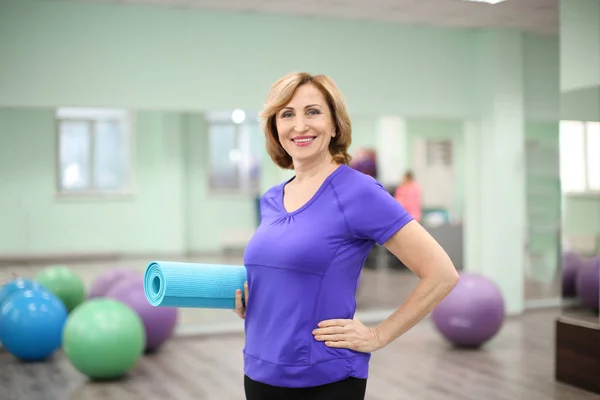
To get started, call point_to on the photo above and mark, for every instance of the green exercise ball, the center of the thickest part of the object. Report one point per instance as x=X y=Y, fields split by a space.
x=104 y=338
x=64 y=283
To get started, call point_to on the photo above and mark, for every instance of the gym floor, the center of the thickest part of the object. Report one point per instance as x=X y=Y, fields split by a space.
x=516 y=365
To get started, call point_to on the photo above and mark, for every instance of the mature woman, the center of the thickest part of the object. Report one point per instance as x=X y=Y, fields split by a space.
x=305 y=259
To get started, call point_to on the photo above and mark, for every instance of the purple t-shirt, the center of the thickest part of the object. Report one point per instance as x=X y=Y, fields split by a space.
x=303 y=267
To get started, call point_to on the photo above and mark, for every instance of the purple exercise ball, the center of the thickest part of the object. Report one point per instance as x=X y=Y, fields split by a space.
x=106 y=280
x=365 y=161
x=588 y=284
x=159 y=322
x=472 y=313
x=571 y=264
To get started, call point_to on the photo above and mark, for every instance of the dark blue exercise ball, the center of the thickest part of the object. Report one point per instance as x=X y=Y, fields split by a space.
x=32 y=324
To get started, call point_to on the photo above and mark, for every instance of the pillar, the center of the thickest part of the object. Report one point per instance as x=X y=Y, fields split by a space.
x=495 y=212
x=391 y=144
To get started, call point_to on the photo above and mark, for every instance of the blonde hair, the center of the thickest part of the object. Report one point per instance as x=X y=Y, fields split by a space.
x=282 y=92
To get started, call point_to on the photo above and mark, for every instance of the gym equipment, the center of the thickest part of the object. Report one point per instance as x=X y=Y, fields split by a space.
x=588 y=283
x=159 y=322
x=103 y=339
x=434 y=217
x=32 y=324
x=571 y=262
x=472 y=313
x=64 y=283
x=105 y=281
x=365 y=161
x=17 y=285
x=180 y=284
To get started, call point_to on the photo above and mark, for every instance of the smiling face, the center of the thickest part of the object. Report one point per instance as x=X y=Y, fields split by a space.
x=305 y=126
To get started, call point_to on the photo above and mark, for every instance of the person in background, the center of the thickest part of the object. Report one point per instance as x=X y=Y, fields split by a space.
x=408 y=194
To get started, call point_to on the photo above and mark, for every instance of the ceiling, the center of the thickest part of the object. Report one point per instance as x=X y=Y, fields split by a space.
x=538 y=16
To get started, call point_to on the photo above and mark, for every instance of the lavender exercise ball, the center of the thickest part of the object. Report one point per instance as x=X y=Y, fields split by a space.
x=472 y=313
x=588 y=283
x=570 y=265
x=106 y=280
x=159 y=322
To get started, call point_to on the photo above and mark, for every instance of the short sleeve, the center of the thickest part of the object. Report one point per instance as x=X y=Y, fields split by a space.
x=268 y=203
x=370 y=211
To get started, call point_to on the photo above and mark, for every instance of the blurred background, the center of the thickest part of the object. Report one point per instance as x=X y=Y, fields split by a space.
x=129 y=133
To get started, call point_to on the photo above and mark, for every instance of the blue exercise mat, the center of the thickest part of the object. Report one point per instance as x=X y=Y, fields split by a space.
x=193 y=285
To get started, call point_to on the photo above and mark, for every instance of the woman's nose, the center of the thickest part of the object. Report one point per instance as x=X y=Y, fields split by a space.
x=300 y=125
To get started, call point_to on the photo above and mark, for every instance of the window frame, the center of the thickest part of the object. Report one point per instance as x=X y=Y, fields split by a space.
x=219 y=191
x=86 y=114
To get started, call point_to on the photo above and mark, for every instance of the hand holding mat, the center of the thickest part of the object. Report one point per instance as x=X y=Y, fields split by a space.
x=193 y=285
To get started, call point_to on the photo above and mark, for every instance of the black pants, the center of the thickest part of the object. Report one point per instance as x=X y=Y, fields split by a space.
x=348 y=389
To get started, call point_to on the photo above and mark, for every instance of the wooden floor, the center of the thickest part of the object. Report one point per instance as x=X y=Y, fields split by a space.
x=517 y=365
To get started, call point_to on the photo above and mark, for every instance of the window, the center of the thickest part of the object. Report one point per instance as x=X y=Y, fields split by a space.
x=580 y=156
x=94 y=151
x=235 y=149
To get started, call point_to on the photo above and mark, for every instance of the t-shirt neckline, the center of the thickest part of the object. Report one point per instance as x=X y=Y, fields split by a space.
x=312 y=199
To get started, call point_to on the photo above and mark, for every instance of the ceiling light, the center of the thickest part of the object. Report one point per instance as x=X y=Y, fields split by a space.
x=238 y=116
x=486 y=1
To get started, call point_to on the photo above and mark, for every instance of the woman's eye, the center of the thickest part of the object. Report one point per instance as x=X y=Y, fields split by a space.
x=286 y=114
x=313 y=112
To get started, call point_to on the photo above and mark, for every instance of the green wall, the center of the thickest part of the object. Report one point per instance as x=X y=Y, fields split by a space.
x=171 y=210
x=35 y=220
x=579 y=44
x=209 y=217
x=169 y=170
x=541 y=73
x=580 y=95
x=442 y=129
x=581 y=104
x=582 y=212
x=582 y=216
x=161 y=58
x=171 y=64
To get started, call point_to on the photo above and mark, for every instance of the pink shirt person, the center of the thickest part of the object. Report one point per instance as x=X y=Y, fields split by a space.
x=408 y=194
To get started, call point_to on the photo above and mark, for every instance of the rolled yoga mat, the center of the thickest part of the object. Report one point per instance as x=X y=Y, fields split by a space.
x=193 y=285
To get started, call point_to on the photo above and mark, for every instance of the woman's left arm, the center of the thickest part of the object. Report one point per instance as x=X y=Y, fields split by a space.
x=415 y=247
x=421 y=253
